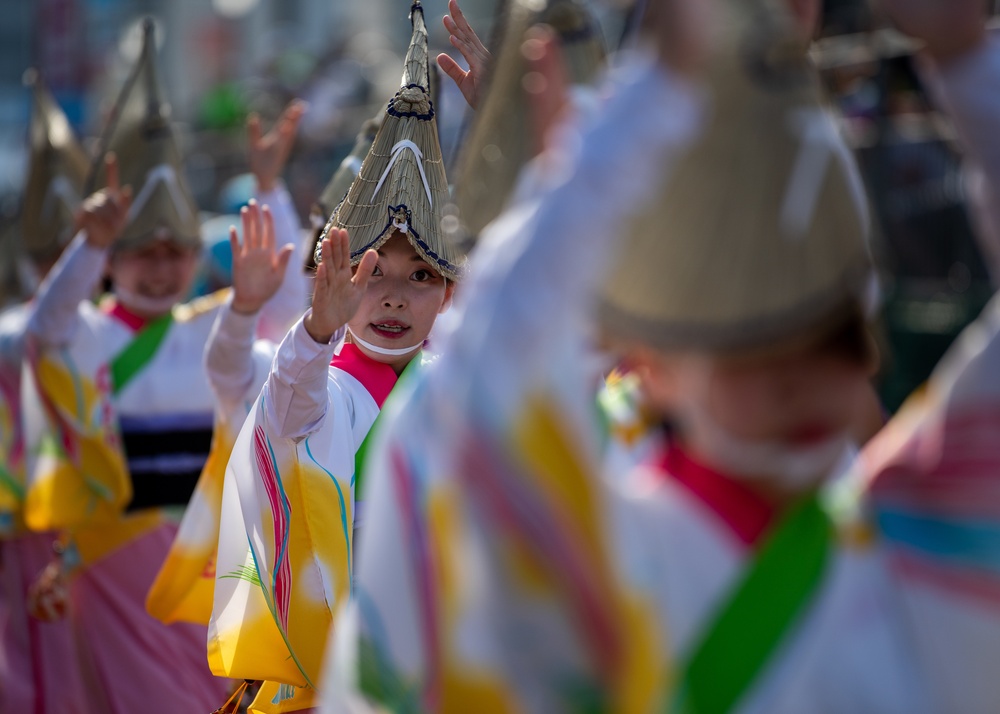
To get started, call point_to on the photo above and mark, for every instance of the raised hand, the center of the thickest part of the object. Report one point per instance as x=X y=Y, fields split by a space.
x=269 y=152
x=103 y=215
x=465 y=40
x=258 y=267
x=949 y=28
x=337 y=290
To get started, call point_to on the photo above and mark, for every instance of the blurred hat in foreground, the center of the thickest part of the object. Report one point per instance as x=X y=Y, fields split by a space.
x=759 y=235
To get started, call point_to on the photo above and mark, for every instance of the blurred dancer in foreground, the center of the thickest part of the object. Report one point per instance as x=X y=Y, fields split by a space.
x=730 y=573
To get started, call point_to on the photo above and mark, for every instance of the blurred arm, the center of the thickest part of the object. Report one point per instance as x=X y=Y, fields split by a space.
x=229 y=356
x=71 y=281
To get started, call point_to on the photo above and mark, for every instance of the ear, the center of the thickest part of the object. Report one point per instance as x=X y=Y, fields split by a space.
x=449 y=294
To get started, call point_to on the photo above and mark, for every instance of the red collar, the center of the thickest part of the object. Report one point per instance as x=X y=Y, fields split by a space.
x=130 y=319
x=746 y=513
x=377 y=377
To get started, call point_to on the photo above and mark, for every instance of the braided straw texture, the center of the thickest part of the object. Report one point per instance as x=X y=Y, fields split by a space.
x=402 y=200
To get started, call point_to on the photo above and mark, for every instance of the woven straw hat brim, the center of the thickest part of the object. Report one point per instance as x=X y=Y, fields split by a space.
x=149 y=160
x=760 y=231
x=501 y=140
x=397 y=189
x=57 y=170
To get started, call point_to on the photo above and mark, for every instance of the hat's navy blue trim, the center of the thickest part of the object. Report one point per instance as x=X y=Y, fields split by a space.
x=391 y=111
x=441 y=262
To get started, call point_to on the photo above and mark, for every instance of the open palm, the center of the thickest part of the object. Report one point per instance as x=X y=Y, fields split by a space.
x=337 y=289
x=465 y=40
x=258 y=267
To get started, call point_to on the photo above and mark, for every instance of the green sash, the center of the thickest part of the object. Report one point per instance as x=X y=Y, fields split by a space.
x=777 y=587
x=137 y=353
x=362 y=453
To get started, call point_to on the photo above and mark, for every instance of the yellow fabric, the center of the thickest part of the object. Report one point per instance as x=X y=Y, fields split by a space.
x=184 y=587
x=84 y=479
x=275 y=698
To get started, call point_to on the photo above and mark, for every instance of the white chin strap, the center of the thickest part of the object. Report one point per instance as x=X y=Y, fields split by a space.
x=793 y=468
x=142 y=303
x=384 y=350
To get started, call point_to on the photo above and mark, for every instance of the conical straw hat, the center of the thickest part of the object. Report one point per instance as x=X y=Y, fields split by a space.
x=759 y=234
x=149 y=160
x=402 y=185
x=501 y=140
x=57 y=169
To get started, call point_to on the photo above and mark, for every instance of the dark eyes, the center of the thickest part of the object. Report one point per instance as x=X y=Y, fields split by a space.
x=419 y=276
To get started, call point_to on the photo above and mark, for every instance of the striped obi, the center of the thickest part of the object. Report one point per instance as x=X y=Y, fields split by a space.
x=165 y=454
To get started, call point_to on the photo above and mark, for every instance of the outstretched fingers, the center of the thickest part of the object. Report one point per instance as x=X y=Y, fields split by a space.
x=365 y=269
x=234 y=245
x=111 y=169
x=253 y=129
x=267 y=229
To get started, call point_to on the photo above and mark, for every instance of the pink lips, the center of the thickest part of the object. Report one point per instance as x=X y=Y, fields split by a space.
x=389 y=329
x=810 y=435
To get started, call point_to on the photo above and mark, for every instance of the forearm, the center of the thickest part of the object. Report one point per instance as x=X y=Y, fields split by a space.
x=295 y=394
x=229 y=356
x=71 y=281
x=291 y=299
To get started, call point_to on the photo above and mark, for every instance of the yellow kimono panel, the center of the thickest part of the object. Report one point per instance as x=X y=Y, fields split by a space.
x=285 y=541
x=183 y=589
x=82 y=476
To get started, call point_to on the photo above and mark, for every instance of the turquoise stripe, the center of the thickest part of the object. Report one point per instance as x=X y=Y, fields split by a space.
x=343 y=513
x=960 y=542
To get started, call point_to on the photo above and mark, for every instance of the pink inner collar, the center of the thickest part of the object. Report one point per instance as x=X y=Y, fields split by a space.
x=746 y=513
x=378 y=378
x=120 y=312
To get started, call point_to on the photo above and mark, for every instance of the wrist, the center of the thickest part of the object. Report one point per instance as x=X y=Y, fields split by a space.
x=243 y=307
x=319 y=333
x=266 y=185
x=95 y=242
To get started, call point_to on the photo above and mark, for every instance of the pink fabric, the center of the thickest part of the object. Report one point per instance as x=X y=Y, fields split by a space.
x=378 y=378
x=122 y=313
x=745 y=512
x=134 y=662
x=39 y=669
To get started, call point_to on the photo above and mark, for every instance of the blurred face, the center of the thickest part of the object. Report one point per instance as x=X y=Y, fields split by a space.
x=403 y=298
x=152 y=279
x=783 y=420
